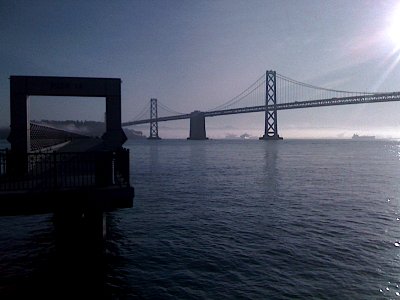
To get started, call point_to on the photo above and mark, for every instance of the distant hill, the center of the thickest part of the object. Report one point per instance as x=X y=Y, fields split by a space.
x=90 y=128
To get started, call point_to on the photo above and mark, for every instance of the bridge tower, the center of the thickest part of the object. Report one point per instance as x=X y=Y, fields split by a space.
x=271 y=116
x=154 y=120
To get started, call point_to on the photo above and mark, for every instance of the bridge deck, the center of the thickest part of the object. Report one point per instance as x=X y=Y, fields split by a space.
x=362 y=99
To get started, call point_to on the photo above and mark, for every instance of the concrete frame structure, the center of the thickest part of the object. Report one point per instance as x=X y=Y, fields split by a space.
x=21 y=87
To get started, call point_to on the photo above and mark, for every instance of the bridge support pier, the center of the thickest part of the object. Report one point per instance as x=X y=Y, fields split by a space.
x=271 y=115
x=80 y=232
x=270 y=138
x=197 y=126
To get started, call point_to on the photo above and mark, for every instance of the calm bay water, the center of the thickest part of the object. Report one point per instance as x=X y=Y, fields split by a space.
x=241 y=219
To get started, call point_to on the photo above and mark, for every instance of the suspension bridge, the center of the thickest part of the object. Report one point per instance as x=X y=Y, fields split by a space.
x=269 y=93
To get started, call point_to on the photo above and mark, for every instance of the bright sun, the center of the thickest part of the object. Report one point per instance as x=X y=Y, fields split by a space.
x=394 y=29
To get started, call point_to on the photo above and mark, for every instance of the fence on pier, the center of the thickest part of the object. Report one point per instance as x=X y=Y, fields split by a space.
x=59 y=170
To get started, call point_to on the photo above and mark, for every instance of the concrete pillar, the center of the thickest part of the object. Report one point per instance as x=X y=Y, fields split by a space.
x=78 y=230
x=114 y=135
x=197 y=126
x=78 y=263
x=19 y=137
x=271 y=138
x=20 y=128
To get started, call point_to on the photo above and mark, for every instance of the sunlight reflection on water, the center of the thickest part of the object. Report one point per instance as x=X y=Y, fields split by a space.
x=246 y=219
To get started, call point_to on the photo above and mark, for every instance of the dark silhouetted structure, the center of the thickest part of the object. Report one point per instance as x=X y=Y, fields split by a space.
x=154 y=122
x=23 y=86
x=271 y=116
x=75 y=177
x=197 y=126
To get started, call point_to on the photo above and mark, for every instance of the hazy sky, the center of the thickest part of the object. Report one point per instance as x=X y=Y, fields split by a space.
x=195 y=55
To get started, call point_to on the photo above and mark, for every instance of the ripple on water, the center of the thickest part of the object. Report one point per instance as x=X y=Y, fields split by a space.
x=252 y=220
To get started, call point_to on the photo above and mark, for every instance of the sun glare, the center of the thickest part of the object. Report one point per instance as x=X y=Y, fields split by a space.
x=394 y=29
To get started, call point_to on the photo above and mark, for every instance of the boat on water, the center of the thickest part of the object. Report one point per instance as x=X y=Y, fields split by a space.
x=363 y=137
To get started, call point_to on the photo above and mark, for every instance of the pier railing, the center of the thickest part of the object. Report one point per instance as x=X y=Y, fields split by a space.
x=63 y=170
x=2 y=162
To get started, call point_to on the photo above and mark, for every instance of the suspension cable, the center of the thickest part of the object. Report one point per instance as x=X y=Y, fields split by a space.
x=318 y=88
x=243 y=94
x=141 y=114
x=169 y=109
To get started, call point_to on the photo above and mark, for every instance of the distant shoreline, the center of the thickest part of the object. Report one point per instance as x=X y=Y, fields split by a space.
x=90 y=128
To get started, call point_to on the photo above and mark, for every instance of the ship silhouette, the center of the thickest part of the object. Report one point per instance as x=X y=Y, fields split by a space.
x=363 y=137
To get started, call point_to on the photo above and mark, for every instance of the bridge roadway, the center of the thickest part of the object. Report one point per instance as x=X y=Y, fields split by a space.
x=371 y=98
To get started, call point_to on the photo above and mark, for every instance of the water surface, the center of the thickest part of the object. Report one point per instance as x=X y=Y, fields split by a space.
x=238 y=219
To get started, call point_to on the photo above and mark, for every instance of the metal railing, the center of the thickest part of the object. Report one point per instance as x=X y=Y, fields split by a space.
x=2 y=162
x=63 y=170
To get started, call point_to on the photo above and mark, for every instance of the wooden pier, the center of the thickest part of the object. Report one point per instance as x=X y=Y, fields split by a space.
x=49 y=170
x=57 y=180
